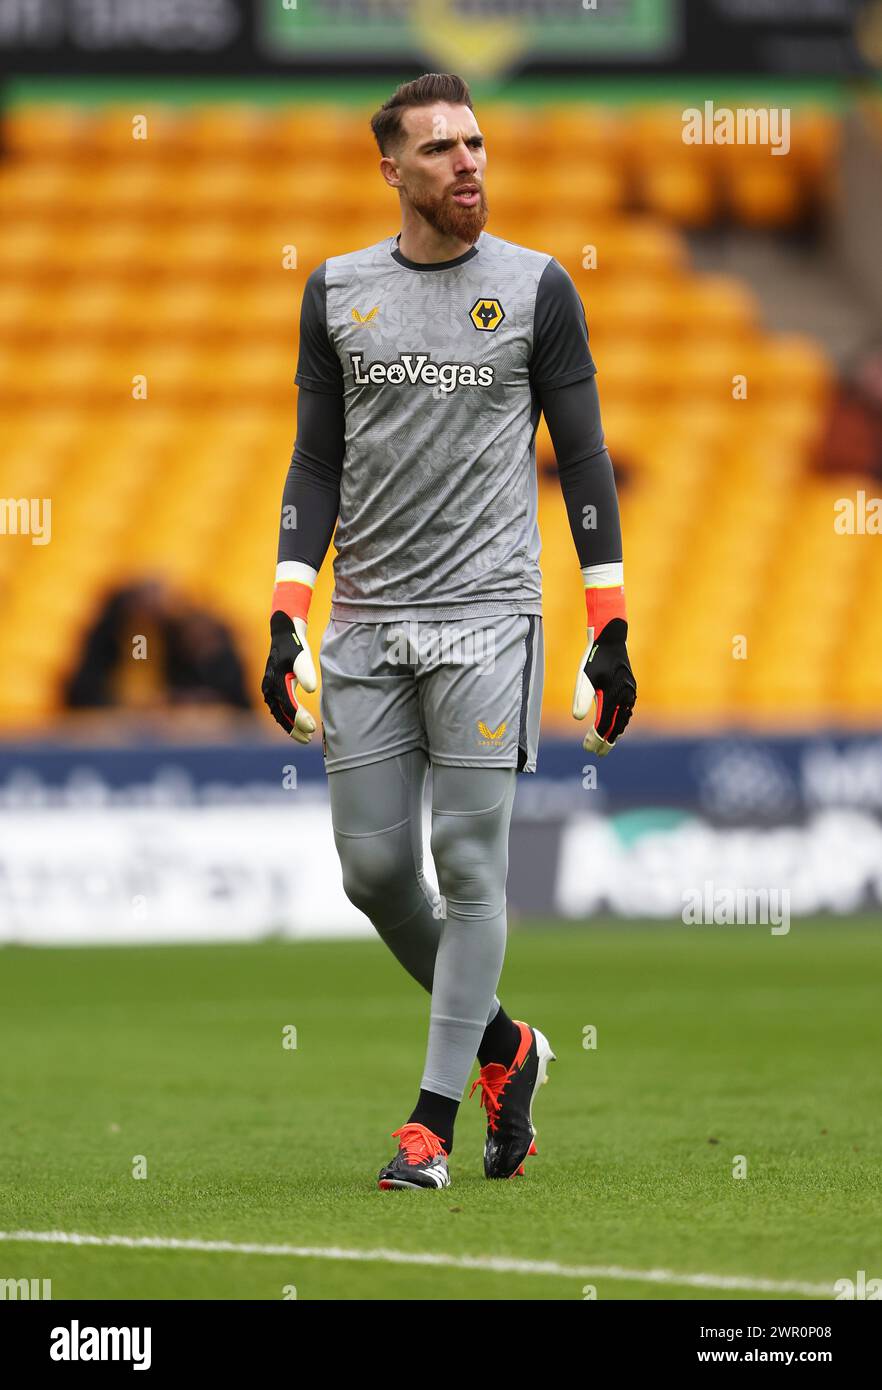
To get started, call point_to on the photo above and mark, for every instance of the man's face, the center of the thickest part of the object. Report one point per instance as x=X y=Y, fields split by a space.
x=440 y=168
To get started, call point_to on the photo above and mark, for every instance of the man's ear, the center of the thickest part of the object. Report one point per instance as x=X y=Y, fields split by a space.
x=389 y=170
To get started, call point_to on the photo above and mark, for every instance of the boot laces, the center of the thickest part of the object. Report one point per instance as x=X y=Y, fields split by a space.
x=420 y=1145
x=492 y=1079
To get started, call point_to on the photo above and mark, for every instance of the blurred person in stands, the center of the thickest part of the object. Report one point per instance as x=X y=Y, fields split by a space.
x=150 y=648
x=852 y=441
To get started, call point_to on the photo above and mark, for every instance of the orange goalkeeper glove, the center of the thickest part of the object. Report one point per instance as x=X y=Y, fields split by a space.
x=605 y=680
x=290 y=661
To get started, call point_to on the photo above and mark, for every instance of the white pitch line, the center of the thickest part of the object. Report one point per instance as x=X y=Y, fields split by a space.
x=494 y=1264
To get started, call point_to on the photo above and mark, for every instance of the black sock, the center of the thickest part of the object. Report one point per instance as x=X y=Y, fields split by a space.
x=501 y=1041
x=437 y=1113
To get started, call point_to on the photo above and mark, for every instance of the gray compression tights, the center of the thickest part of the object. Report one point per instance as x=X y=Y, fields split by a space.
x=454 y=950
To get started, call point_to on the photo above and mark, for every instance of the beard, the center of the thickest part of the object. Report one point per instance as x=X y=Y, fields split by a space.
x=447 y=217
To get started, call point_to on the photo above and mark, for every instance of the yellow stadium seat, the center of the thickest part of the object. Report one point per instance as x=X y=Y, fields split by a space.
x=765 y=195
x=44 y=129
x=680 y=189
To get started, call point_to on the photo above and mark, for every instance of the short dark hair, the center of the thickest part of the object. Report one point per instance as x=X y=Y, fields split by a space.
x=423 y=91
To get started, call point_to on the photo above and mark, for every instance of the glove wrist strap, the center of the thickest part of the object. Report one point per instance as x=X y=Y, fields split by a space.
x=293 y=589
x=604 y=604
x=293 y=599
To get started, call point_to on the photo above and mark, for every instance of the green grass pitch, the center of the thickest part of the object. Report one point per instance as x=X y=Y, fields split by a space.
x=712 y=1042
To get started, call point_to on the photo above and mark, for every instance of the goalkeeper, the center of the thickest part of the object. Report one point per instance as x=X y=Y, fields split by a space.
x=424 y=364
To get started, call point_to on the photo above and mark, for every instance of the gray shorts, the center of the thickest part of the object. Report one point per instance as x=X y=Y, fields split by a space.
x=469 y=691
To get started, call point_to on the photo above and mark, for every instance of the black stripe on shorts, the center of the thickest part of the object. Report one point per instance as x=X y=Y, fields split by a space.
x=525 y=692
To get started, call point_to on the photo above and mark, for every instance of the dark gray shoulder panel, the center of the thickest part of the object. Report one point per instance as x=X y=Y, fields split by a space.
x=318 y=366
x=560 y=333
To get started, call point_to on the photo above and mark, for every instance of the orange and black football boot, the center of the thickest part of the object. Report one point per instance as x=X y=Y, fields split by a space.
x=420 y=1161
x=507 y=1094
